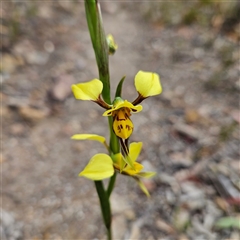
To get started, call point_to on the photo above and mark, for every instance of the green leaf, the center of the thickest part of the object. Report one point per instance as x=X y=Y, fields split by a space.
x=228 y=222
x=119 y=88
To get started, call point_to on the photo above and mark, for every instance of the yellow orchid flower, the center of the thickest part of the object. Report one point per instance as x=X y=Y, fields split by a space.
x=99 y=167
x=146 y=83
x=102 y=166
x=121 y=112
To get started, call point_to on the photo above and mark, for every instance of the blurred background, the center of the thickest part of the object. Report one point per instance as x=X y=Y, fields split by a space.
x=190 y=132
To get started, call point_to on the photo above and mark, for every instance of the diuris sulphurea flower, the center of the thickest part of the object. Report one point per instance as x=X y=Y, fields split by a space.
x=102 y=166
x=121 y=112
x=147 y=84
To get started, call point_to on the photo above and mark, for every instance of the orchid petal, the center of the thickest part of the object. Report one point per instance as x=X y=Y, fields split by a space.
x=134 y=150
x=88 y=90
x=148 y=84
x=132 y=172
x=99 y=167
x=122 y=104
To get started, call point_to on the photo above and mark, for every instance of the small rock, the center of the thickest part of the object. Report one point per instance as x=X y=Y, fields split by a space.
x=62 y=88
x=193 y=196
x=163 y=226
x=136 y=229
x=32 y=114
x=49 y=46
x=183 y=237
x=236 y=116
x=171 y=198
x=2 y=159
x=119 y=226
x=191 y=116
x=234 y=235
x=119 y=204
x=200 y=228
x=16 y=102
x=9 y=63
x=181 y=219
x=227 y=186
x=10 y=229
x=187 y=131
x=36 y=57
x=17 y=129
x=179 y=158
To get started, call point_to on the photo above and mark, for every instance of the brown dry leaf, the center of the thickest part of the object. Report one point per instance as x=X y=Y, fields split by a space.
x=222 y=204
x=165 y=227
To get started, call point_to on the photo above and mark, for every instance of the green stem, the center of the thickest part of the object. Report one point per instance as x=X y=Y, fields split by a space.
x=111 y=184
x=99 y=43
x=105 y=206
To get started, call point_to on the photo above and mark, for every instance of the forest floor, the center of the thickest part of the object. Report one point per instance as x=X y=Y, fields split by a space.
x=190 y=132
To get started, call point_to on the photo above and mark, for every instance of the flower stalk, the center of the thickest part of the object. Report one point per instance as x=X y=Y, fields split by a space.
x=100 y=46
x=99 y=43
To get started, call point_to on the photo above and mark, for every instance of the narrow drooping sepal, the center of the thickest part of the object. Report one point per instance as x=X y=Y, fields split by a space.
x=142 y=186
x=94 y=137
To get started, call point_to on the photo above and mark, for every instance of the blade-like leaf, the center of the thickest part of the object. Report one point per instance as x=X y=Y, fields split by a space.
x=119 y=88
x=228 y=222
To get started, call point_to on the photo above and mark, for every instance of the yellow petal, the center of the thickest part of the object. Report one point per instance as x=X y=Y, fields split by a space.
x=89 y=137
x=88 y=90
x=122 y=125
x=130 y=171
x=148 y=84
x=134 y=150
x=123 y=104
x=99 y=167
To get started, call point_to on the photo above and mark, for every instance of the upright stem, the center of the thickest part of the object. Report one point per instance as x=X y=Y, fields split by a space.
x=105 y=206
x=99 y=43
x=100 y=46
